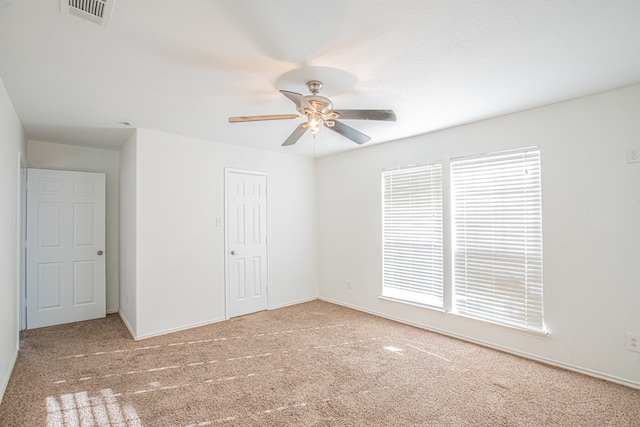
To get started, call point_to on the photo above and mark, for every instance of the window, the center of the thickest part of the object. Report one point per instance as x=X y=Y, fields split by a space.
x=495 y=235
x=497 y=238
x=412 y=234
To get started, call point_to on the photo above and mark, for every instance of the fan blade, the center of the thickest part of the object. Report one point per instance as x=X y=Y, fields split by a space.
x=385 y=115
x=295 y=135
x=300 y=101
x=348 y=132
x=258 y=118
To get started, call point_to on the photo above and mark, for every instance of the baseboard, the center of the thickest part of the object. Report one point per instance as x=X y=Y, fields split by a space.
x=196 y=325
x=114 y=311
x=275 y=307
x=181 y=328
x=551 y=362
x=126 y=323
x=5 y=381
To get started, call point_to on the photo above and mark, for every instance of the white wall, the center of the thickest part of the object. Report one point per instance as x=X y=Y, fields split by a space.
x=591 y=226
x=47 y=155
x=127 y=222
x=180 y=271
x=12 y=142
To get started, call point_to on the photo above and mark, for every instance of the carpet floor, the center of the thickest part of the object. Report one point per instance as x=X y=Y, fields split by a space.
x=312 y=364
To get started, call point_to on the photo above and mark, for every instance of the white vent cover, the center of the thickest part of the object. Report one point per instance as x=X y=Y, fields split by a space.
x=96 y=11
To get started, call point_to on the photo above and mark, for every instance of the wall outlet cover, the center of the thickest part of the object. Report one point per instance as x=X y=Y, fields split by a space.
x=632 y=342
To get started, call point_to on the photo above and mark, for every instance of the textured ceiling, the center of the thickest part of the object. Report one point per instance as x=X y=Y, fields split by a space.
x=185 y=66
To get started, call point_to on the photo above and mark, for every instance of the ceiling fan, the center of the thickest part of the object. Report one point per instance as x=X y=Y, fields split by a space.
x=319 y=112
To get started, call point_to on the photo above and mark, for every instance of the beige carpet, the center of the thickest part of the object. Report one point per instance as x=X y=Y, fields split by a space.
x=313 y=364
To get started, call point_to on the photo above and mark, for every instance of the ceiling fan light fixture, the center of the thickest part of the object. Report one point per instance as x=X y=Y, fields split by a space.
x=315 y=121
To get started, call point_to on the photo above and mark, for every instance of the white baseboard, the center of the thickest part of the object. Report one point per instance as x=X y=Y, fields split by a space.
x=126 y=323
x=195 y=325
x=552 y=362
x=275 y=307
x=5 y=381
x=181 y=328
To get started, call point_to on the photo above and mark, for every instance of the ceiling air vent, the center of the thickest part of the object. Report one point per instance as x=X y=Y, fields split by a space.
x=96 y=11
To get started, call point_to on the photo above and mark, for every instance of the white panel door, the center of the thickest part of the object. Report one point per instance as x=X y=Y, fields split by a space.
x=246 y=243
x=65 y=247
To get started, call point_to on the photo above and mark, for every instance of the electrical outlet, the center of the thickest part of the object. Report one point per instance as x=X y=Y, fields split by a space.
x=632 y=342
x=348 y=284
x=633 y=155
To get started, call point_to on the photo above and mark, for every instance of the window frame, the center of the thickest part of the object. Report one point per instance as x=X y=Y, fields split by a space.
x=448 y=303
x=402 y=278
x=496 y=237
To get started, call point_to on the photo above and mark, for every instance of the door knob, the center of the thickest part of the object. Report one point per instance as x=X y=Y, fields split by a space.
x=100 y=252
x=235 y=253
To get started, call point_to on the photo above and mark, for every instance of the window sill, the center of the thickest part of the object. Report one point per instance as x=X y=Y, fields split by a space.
x=415 y=304
x=533 y=332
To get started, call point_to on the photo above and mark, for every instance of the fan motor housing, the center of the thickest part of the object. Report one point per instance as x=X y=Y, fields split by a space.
x=320 y=103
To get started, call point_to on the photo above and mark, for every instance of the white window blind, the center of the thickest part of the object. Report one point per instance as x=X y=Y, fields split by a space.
x=412 y=234
x=497 y=238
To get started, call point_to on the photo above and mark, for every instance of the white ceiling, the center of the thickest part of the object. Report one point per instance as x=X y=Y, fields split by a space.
x=185 y=66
